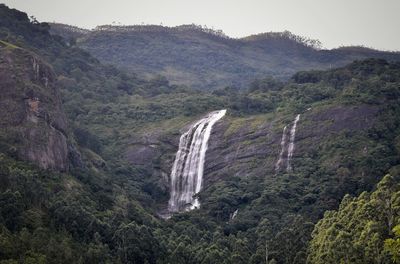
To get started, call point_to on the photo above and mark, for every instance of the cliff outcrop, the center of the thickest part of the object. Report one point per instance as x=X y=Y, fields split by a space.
x=32 y=121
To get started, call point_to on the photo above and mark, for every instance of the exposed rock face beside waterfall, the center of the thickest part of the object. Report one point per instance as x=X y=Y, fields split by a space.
x=34 y=124
x=252 y=146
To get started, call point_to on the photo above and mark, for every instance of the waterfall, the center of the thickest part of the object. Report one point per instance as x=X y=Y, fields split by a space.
x=187 y=170
x=289 y=148
x=234 y=214
x=291 y=143
x=283 y=145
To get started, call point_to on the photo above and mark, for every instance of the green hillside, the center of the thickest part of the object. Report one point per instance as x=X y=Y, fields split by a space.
x=207 y=59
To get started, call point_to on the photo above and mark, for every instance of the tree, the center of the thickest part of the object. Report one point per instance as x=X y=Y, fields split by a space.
x=11 y=208
x=356 y=233
x=392 y=245
x=136 y=244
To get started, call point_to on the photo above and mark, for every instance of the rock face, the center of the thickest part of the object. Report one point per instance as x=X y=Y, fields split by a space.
x=249 y=150
x=250 y=147
x=32 y=121
x=240 y=152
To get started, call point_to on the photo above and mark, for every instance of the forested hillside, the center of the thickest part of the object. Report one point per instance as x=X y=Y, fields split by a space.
x=121 y=134
x=365 y=229
x=208 y=59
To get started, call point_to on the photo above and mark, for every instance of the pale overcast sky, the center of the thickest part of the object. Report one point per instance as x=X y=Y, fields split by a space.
x=373 y=23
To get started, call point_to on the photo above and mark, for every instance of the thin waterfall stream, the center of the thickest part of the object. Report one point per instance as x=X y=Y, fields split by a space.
x=283 y=144
x=287 y=146
x=291 y=143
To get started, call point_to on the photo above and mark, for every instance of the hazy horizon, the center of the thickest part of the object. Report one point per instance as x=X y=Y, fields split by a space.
x=335 y=23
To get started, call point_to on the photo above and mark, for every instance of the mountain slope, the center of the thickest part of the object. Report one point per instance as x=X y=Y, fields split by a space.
x=47 y=216
x=207 y=59
x=32 y=121
x=344 y=141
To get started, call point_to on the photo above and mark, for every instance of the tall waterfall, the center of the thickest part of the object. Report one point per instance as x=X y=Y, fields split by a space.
x=187 y=171
x=291 y=143
x=289 y=148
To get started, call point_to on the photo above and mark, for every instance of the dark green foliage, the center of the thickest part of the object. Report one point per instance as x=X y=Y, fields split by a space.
x=11 y=209
x=136 y=244
x=392 y=245
x=86 y=139
x=361 y=230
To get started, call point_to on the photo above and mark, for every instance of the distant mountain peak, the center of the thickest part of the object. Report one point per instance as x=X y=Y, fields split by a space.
x=284 y=35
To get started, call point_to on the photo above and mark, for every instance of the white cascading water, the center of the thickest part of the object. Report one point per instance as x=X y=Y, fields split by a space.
x=187 y=171
x=283 y=145
x=233 y=216
x=290 y=146
x=291 y=143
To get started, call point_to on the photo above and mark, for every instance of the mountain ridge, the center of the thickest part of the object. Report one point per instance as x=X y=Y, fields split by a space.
x=315 y=43
x=207 y=59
